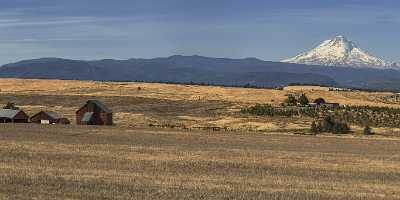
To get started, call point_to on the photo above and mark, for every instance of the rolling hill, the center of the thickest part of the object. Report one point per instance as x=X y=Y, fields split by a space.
x=199 y=69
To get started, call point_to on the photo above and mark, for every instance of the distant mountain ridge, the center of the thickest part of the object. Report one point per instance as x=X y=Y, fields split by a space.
x=199 y=69
x=339 y=51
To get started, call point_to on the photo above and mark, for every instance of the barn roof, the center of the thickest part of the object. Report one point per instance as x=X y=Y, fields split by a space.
x=319 y=101
x=53 y=115
x=101 y=105
x=87 y=117
x=8 y=113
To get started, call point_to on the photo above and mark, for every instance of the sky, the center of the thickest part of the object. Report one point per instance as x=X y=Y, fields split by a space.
x=122 y=29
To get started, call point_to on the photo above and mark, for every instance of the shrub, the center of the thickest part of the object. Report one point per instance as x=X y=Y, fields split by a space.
x=268 y=110
x=340 y=128
x=315 y=129
x=327 y=124
x=367 y=130
x=11 y=106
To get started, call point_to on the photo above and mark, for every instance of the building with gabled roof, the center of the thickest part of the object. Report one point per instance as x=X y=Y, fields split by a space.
x=13 y=116
x=320 y=102
x=49 y=117
x=94 y=112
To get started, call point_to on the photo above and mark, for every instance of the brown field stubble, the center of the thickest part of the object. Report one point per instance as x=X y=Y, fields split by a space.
x=61 y=162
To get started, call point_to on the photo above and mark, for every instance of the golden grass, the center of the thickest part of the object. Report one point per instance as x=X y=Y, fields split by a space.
x=128 y=161
x=169 y=105
x=123 y=163
x=186 y=92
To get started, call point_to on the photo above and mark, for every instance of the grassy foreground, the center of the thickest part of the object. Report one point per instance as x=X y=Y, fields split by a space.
x=37 y=162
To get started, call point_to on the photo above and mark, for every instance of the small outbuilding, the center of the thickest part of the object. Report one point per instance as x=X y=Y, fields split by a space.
x=49 y=117
x=94 y=112
x=319 y=101
x=13 y=116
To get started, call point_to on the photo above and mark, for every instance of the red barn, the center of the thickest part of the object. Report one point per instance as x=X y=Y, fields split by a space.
x=94 y=113
x=49 y=117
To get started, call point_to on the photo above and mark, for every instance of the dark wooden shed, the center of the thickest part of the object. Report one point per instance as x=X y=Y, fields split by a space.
x=94 y=113
x=49 y=117
x=319 y=101
x=13 y=116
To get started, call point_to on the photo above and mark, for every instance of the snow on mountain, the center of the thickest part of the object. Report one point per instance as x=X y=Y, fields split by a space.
x=339 y=51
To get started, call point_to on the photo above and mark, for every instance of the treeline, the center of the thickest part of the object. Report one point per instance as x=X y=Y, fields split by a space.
x=308 y=84
x=359 y=115
x=247 y=85
x=348 y=87
x=370 y=115
x=269 y=110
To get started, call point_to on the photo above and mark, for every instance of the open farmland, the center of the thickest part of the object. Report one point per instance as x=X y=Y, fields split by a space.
x=37 y=162
x=255 y=157
x=178 y=106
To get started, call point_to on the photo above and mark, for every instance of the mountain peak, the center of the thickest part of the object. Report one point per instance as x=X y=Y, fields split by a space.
x=341 y=37
x=339 y=51
x=340 y=42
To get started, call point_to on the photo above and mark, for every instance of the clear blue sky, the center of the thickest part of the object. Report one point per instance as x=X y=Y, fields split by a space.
x=266 y=29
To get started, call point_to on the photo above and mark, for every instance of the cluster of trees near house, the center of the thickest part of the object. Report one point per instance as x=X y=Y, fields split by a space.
x=10 y=106
x=293 y=101
x=329 y=125
x=330 y=119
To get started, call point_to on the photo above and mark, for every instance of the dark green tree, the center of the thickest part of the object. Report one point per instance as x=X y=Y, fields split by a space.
x=291 y=101
x=303 y=100
x=327 y=124
x=11 y=105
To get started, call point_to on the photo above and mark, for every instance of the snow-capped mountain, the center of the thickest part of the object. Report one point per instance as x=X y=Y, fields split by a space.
x=339 y=51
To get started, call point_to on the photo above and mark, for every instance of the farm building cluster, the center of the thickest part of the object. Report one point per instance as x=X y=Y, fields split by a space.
x=300 y=100
x=320 y=102
x=93 y=112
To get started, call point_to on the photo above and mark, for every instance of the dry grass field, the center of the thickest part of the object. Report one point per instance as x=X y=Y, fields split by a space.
x=184 y=92
x=61 y=162
x=256 y=158
x=181 y=106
